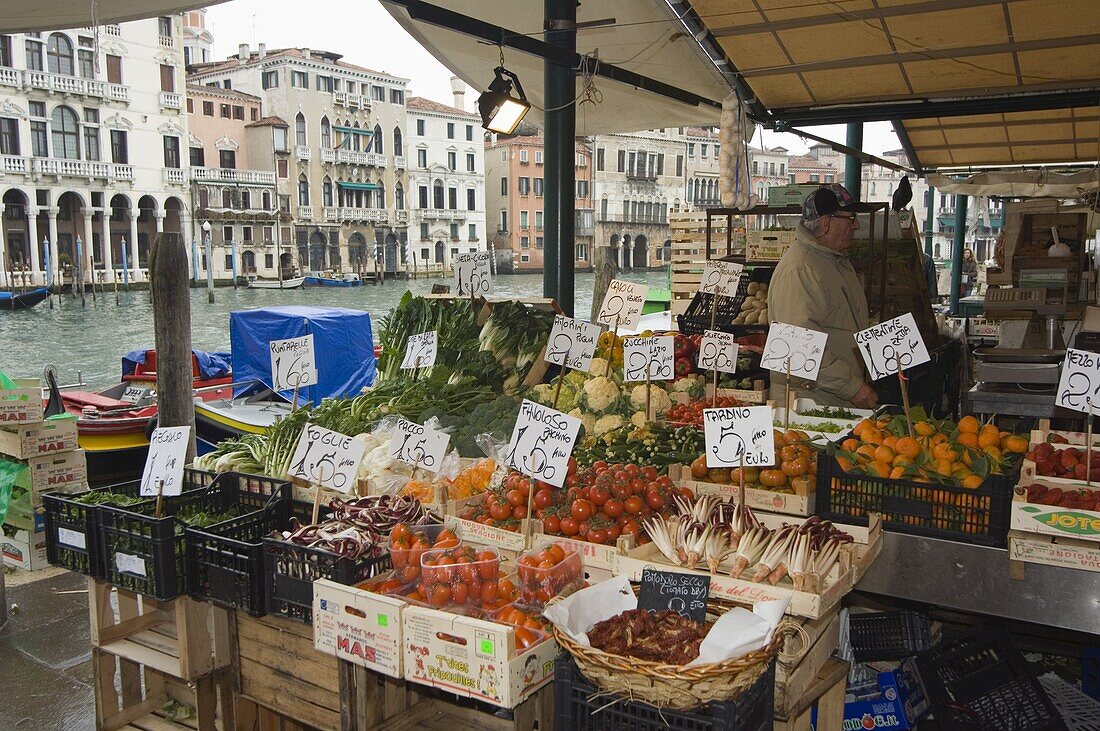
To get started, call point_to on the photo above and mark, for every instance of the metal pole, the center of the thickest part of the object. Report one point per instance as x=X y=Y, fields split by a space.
x=125 y=267
x=853 y=166
x=559 y=252
x=78 y=281
x=957 y=251
x=930 y=222
x=3 y=598
x=233 y=249
x=195 y=260
x=209 y=268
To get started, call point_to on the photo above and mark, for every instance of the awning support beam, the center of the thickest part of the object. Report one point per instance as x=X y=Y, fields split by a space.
x=560 y=123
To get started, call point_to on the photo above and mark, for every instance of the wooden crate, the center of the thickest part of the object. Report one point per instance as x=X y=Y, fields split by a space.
x=688 y=235
x=794 y=679
x=182 y=638
x=279 y=669
x=132 y=696
x=433 y=710
x=251 y=716
x=827 y=694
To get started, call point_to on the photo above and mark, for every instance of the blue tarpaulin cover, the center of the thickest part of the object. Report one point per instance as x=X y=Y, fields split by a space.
x=342 y=344
x=211 y=365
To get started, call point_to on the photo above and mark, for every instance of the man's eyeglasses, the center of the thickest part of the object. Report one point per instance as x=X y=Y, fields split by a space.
x=849 y=219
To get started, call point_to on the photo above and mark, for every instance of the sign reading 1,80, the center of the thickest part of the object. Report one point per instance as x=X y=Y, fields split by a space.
x=892 y=346
x=542 y=441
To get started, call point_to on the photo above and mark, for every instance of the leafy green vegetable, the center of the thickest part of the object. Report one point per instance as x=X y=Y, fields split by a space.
x=829 y=412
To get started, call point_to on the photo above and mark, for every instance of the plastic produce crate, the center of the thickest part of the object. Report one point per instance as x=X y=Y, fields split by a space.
x=980 y=681
x=577 y=707
x=225 y=561
x=291 y=570
x=889 y=635
x=1078 y=711
x=696 y=319
x=70 y=523
x=145 y=554
x=979 y=516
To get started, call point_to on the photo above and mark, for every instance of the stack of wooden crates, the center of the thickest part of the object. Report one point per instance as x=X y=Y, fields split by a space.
x=689 y=254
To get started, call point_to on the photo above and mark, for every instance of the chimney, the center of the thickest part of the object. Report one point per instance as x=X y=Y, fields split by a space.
x=263 y=50
x=305 y=53
x=242 y=52
x=458 y=88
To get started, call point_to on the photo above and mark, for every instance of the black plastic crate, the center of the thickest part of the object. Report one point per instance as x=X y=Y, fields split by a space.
x=979 y=516
x=291 y=570
x=697 y=317
x=580 y=706
x=889 y=635
x=225 y=561
x=152 y=549
x=69 y=522
x=980 y=682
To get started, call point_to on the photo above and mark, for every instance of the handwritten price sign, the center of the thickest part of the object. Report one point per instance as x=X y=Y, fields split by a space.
x=473 y=276
x=718 y=352
x=622 y=305
x=327 y=458
x=541 y=443
x=420 y=350
x=1079 y=386
x=572 y=343
x=685 y=594
x=742 y=433
x=292 y=363
x=164 y=463
x=802 y=346
x=892 y=346
x=651 y=358
x=418 y=445
x=721 y=278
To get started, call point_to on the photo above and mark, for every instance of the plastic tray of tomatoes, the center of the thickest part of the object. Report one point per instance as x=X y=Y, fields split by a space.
x=460 y=576
x=408 y=543
x=530 y=627
x=548 y=571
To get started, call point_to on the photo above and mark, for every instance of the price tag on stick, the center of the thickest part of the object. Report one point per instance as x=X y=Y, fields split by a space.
x=739 y=436
x=685 y=594
x=327 y=458
x=720 y=278
x=542 y=441
x=293 y=364
x=649 y=358
x=572 y=343
x=892 y=346
x=622 y=305
x=163 y=473
x=418 y=445
x=473 y=275
x=794 y=350
x=420 y=350
x=718 y=352
x=1079 y=386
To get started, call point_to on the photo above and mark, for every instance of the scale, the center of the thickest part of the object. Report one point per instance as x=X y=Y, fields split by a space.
x=1036 y=359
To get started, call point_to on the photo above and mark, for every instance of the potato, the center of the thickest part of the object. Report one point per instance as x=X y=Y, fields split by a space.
x=763 y=291
x=740 y=319
x=762 y=317
x=748 y=304
x=753 y=288
x=751 y=317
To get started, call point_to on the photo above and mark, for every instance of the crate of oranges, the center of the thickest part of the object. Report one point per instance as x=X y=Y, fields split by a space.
x=945 y=480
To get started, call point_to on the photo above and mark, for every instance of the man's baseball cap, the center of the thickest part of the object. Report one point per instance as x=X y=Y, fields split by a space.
x=825 y=201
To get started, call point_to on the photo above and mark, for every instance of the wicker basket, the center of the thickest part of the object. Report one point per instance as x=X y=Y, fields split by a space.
x=680 y=687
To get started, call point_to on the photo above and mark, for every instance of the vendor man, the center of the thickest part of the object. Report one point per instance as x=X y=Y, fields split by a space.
x=815 y=286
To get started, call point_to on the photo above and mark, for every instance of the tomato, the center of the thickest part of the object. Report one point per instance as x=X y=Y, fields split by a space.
x=556 y=553
x=633 y=505
x=632 y=470
x=614 y=531
x=400 y=533
x=599 y=465
x=620 y=492
x=551 y=524
x=631 y=528
x=637 y=487
x=664 y=481
x=685 y=492
x=569 y=526
x=500 y=511
x=524 y=638
x=649 y=473
x=598 y=535
x=654 y=500
x=506 y=590
x=515 y=497
x=524 y=486
x=582 y=510
x=489 y=591
x=572 y=481
x=460 y=592
x=599 y=495
x=519 y=512
x=572 y=470
x=613 y=508
x=582 y=530
x=772 y=478
x=439 y=596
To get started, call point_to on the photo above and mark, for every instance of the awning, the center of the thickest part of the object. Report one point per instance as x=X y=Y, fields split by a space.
x=358 y=186
x=353 y=130
x=645 y=38
x=23 y=16
x=1019 y=183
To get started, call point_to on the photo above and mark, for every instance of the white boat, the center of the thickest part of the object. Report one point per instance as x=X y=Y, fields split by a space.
x=292 y=283
x=218 y=419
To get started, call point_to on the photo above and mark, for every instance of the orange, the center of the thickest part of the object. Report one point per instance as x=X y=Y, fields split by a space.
x=1015 y=444
x=890 y=441
x=850 y=445
x=862 y=427
x=897 y=473
x=884 y=454
x=844 y=462
x=867 y=452
x=943 y=466
x=972 y=482
x=969 y=440
x=880 y=469
x=989 y=439
x=994 y=452
x=938 y=438
x=943 y=451
x=901 y=460
x=969 y=425
x=908 y=446
x=924 y=428
x=873 y=437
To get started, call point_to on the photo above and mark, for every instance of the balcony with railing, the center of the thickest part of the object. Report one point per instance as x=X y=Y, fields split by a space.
x=14 y=164
x=642 y=176
x=302 y=152
x=81 y=168
x=354 y=157
x=367 y=215
x=305 y=213
x=328 y=154
x=630 y=218
x=350 y=101
x=167 y=42
x=175 y=176
x=10 y=77
x=75 y=85
x=402 y=216
x=228 y=175
x=399 y=162
x=171 y=100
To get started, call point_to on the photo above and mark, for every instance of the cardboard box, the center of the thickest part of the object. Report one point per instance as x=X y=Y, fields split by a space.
x=24 y=550
x=358 y=626
x=756 y=498
x=65 y=472
x=1053 y=520
x=1068 y=553
x=23 y=404
x=767 y=245
x=790 y=195
x=895 y=700
x=24 y=441
x=25 y=515
x=473 y=658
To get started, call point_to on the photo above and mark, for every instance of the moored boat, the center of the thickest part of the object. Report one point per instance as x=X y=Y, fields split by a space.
x=292 y=283
x=23 y=300
x=225 y=417
x=319 y=279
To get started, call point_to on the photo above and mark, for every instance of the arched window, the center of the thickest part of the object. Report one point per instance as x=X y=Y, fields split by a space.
x=355 y=139
x=267 y=200
x=326 y=193
x=378 y=139
x=326 y=134
x=303 y=191
x=300 y=130
x=66 y=137
x=59 y=55
x=397 y=148
x=437 y=195
x=380 y=195
x=399 y=197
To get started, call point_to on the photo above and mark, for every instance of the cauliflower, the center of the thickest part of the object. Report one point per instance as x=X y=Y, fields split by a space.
x=600 y=394
x=542 y=393
x=607 y=422
x=693 y=387
x=659 y=399
x=638 y=419
x=599 y=367
x=588 y=421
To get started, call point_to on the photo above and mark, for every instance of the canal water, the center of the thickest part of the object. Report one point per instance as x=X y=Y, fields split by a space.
x=90 y=341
